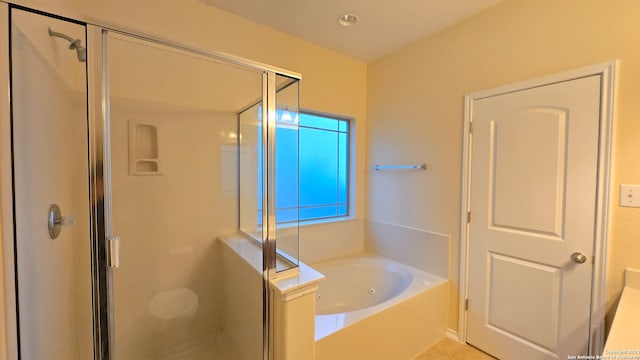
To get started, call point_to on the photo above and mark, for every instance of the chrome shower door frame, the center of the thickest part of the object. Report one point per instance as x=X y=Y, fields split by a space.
x=101 y=177
x=8 y=314
x=10 y=343
x=98 y=109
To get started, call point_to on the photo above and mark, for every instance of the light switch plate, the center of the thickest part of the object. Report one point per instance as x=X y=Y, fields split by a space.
x=629 y=195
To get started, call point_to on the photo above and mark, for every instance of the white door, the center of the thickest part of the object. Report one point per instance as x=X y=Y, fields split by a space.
x=533 y=201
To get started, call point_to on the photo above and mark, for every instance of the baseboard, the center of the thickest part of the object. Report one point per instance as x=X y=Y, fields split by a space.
x=453 y=335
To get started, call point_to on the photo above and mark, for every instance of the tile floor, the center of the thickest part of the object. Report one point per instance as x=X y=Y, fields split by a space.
x=448 y=349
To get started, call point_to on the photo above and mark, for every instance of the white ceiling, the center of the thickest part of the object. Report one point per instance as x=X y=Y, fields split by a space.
x=384 y=26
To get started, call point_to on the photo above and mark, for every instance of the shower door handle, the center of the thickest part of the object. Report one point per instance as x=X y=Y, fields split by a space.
x=113 y=260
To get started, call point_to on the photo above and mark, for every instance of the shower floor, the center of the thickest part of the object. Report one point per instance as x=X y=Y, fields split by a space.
x=216 y=347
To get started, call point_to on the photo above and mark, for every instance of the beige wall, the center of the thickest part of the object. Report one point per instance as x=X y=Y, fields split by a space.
x=415 y=107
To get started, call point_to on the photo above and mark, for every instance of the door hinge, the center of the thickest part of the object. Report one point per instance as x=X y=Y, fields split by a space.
x=593 y=260
x=113 y=257
x=466 y=304
x=468 y=217
x=470 y=127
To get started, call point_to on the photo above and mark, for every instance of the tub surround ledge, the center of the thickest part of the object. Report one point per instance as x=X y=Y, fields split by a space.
x=419 y=248
x=291 y=287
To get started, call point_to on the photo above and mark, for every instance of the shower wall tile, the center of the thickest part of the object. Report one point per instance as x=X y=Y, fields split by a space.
x=424 y=250
x=242 y=298
x=169 y=285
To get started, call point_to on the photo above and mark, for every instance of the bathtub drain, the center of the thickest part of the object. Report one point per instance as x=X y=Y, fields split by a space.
x=372 y=291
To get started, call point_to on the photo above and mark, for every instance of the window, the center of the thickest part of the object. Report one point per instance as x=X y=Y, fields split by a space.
x=324 y=166
x=321 y=165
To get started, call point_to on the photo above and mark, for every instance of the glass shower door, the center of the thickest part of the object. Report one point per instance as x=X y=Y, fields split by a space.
x=174 y=193
x=51 y=187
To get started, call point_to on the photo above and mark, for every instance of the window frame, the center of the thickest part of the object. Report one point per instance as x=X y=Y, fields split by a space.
x=348 y=171
x=350 y=165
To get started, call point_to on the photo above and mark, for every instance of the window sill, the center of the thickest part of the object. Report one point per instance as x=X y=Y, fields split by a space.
x=326 y=221
x=258 y=233
x=305 y=223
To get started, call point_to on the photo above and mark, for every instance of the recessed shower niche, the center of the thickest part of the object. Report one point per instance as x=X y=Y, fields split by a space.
x=145 y=139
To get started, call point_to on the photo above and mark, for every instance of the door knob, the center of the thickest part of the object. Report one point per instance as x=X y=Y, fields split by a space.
x=578 y=257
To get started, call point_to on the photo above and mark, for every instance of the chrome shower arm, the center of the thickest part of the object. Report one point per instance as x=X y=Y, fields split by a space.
x=61 y=35
x=74 y=44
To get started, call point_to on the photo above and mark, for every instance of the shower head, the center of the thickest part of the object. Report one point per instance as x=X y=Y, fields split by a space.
x=74 y=44
x=82 y=53
x=80 y=50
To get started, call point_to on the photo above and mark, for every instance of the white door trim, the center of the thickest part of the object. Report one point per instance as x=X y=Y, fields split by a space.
x=607 y=71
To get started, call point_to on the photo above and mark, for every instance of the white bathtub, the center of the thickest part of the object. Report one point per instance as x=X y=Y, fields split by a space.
x=368 y=296
x=359 y=283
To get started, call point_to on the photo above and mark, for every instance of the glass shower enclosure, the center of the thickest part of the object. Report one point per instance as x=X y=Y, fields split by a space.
x=50 y=188
x=158 y=157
